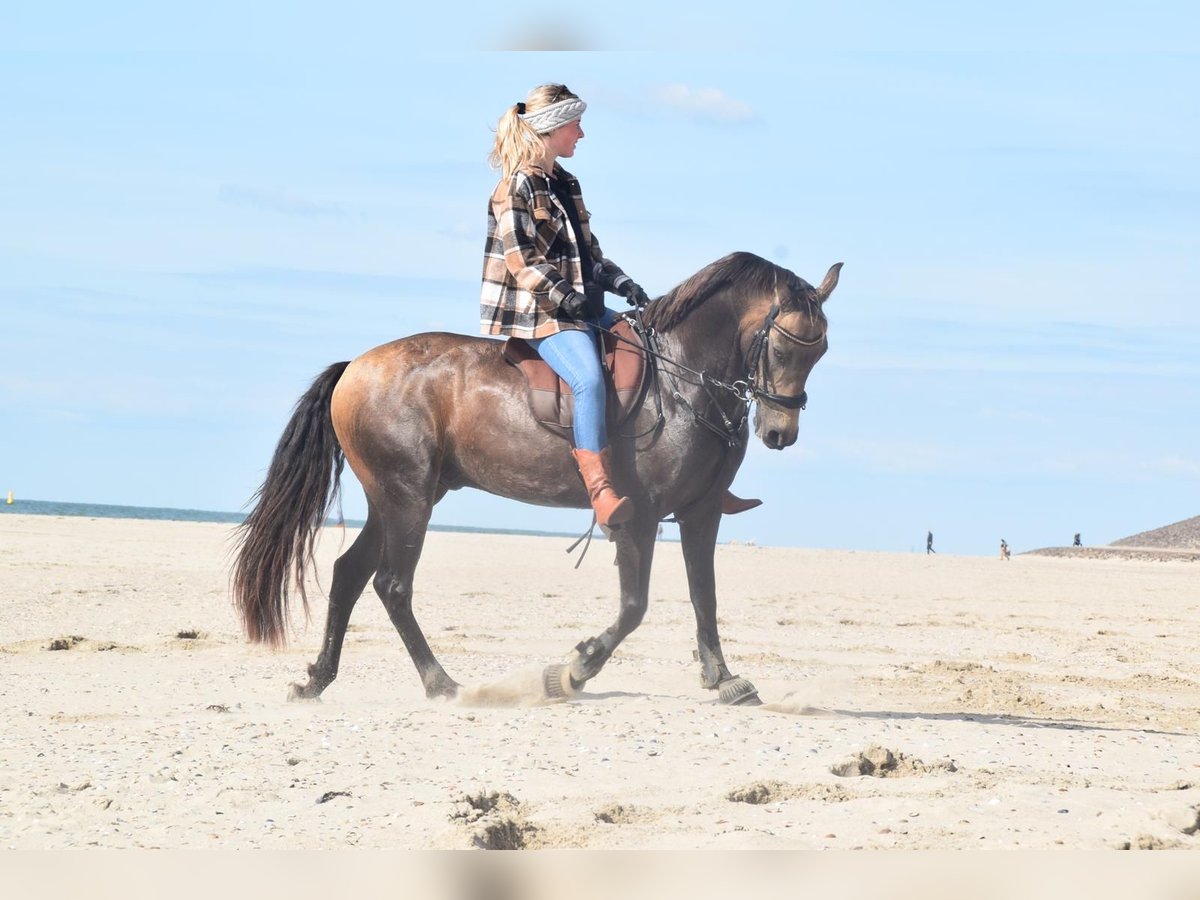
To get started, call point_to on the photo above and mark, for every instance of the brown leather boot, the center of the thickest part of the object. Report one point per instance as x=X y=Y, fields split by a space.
x=731 y=504
x=611 y=509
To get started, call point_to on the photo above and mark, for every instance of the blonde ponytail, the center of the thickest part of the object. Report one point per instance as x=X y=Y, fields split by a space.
x=516 y=146
x=517 y=143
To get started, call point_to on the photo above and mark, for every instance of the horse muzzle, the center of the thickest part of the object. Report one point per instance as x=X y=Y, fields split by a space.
x=776 y=431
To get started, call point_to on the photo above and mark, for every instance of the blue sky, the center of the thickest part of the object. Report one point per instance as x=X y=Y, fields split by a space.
x=202 y=209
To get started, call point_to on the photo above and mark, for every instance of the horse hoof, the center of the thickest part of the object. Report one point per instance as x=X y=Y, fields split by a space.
x=300 y=692
x=556 y=683
x=738 y=692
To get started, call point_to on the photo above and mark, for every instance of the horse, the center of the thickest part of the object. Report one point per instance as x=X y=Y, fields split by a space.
x=436 y=412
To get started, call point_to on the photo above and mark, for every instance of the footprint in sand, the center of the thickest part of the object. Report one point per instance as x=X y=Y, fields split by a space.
x=762 y=792
x=79 y=642
x=879 y=762
x=496 y=819
x=620 y=814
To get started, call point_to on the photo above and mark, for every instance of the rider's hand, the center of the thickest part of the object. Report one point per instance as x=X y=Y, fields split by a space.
x=573 y=305
x=633 y=293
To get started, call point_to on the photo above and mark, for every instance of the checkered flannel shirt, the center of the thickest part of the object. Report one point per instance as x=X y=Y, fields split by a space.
x=531 y=257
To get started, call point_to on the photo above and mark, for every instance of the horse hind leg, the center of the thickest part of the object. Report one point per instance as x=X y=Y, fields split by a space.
x=350 y=575
x=403 y=539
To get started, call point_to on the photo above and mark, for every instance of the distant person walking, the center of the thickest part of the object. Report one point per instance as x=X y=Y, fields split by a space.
x=1078 y=542
x=1003 y=548
x=929 y=544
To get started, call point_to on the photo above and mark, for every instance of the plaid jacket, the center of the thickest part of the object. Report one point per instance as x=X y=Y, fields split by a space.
x=531 y=257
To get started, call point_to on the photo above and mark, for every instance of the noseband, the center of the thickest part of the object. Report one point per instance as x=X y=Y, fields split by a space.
x=760 y=362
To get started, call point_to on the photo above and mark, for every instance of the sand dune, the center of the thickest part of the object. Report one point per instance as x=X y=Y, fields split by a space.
x=1183 y=535
x=1178 y=542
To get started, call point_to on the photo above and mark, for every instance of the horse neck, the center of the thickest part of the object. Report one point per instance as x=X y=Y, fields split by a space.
x=715 y=337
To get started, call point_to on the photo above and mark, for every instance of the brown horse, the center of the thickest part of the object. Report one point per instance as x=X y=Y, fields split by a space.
x=437 y=412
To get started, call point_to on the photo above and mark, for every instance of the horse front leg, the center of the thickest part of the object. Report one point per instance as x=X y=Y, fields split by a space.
x=698 y=535
x=635 y=553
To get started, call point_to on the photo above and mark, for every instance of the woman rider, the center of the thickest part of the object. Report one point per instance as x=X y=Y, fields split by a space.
x=544 y=274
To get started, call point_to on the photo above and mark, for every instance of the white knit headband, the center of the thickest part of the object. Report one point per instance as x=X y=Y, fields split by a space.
x=550 y=117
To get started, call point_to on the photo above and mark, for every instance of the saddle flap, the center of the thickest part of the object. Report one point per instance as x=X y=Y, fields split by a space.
x=551 y=397
x=539 y=375
x=625 y=357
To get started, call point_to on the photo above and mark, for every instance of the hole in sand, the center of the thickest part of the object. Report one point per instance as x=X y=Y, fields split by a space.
x=880 y=762
x=66 y=643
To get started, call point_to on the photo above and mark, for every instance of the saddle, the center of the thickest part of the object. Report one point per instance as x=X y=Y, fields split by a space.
x=550 y=397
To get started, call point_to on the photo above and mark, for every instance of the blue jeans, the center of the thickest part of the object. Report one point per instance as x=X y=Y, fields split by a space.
x=575 y=358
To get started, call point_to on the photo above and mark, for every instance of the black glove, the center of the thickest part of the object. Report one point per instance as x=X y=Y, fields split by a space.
x=574 y=305
x=633 y=293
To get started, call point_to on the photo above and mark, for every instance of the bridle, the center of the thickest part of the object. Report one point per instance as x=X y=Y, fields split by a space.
x=760 y=363
x=757 y=384
x=746 y=389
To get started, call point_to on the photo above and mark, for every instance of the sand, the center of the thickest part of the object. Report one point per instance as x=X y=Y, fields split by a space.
x=920 y=702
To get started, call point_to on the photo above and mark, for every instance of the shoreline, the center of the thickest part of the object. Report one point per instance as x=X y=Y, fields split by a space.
x=100 y=511
x=68 y=510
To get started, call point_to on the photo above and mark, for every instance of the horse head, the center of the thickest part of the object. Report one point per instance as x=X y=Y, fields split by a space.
x=785 y=346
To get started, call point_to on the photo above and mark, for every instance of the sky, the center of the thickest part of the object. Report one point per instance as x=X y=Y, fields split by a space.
x=203 y=206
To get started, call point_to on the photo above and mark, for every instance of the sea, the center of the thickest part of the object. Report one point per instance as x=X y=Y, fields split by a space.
x=168 y=514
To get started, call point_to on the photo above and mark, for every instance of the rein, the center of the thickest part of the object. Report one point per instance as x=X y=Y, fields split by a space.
x=746 y=389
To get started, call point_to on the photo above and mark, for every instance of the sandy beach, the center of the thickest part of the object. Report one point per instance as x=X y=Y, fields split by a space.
x=929 y=702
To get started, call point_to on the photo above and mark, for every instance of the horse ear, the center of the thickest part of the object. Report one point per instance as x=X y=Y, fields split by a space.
x=830 y=282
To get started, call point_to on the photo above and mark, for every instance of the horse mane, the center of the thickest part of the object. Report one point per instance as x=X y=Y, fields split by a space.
x=744 y=273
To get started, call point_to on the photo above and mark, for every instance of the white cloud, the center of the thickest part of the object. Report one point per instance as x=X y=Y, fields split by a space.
x=1016 y=415
x=898 y=457
x=710 y=104
x=98 y=397
x=279 y=202
x=1175 y=467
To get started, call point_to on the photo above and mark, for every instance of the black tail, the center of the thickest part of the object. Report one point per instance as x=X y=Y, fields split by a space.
x=275 y=543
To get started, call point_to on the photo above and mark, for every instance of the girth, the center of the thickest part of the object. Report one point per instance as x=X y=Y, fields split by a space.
x=550 y=397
